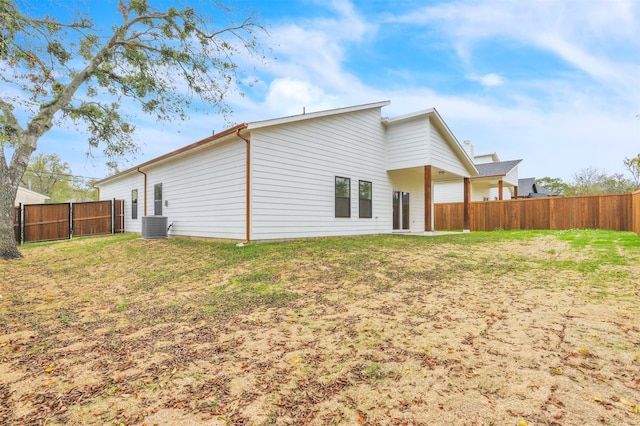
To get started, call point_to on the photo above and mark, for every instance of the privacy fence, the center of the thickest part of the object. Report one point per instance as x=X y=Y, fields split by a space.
x=48 y=222
x=619 y=212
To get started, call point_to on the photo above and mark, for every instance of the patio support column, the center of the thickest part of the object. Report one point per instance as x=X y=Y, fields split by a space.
x=515 y=191
x=500 y=185
x=428 y=200
x=467 y=199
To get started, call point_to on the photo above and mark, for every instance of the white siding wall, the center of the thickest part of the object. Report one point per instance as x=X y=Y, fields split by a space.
x=512 y=177
x=448 y=192
x=120 y=188
x=453 y=192
x=408 y=144
x=507 y=193
x=293 y=176
x=204 y=191
x=24 y=196
x=443 y=156
x=480 y=191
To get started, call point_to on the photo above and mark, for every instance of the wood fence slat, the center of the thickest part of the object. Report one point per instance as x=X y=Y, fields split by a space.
x=119 y=216
x=92 y=218
x=635 y=212
x=46 y=222
x=618 y=212
x=17 y=232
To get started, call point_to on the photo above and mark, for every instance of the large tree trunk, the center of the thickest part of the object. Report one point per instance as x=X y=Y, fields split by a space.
x=8 y=247
x=10 y=178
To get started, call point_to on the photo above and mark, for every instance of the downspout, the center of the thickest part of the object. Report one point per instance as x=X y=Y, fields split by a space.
x=248 y=189
x=145 y=189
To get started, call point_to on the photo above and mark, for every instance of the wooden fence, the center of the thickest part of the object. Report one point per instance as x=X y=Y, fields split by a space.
x=635 y=212
x=619 y=212
x=48 y=222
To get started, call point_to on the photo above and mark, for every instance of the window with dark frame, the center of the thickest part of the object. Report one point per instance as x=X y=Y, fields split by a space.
x=134 y=204
x=343 y=197
x=157 y=199
x=365 y=196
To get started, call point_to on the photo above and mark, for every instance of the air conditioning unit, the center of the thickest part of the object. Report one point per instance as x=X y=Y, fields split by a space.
x=154 y=227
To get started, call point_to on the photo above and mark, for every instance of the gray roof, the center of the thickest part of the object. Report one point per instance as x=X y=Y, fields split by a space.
x=499 y=168
x=527 y=187
x=543 y=190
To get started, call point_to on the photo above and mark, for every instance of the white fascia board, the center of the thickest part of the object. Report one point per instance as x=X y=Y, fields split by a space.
x=307 y=116
x=410 y=116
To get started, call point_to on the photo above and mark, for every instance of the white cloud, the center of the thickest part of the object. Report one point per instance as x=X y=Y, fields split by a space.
x=315 y=49
x=586 y=36
x=289 y=96
x=488 y=80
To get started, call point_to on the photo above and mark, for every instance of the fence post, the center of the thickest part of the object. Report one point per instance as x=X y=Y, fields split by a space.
x=113 y=216
x=121 y=217
x=20 y=225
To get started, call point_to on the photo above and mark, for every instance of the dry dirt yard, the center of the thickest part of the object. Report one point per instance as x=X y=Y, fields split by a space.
x=480 y=329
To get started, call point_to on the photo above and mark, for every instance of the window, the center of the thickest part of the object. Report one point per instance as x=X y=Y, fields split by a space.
x=157 y=199
x=365 y=199
x=134 y=204
x=343 y=197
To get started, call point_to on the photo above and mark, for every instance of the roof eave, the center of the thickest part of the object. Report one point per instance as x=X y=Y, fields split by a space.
x=306 y=116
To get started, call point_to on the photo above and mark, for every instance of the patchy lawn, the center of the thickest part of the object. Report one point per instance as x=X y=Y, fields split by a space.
x=504 y=328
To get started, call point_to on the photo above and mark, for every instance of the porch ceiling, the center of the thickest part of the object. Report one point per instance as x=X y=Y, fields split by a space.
x=437 y=174
x=491 y=182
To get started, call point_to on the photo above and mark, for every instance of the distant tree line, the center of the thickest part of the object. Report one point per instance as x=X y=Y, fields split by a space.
x=47 y=174
x=596 y=181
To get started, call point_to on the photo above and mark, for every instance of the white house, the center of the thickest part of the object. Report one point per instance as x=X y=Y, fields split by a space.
x=496 y=180
x=345 y=171
x=26 y=196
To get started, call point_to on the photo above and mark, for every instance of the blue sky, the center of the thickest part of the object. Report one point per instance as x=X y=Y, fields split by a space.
x=553 y=82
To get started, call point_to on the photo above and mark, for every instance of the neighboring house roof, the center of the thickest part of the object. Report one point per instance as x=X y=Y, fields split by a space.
x=496 y=169
x=26 y=196
x=543 y=190
x=528 y=188
x=486 y=158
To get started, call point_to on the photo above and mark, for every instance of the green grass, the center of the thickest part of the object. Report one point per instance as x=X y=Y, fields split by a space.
x=261 y=288
x=607 y=245
x=155 y=269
